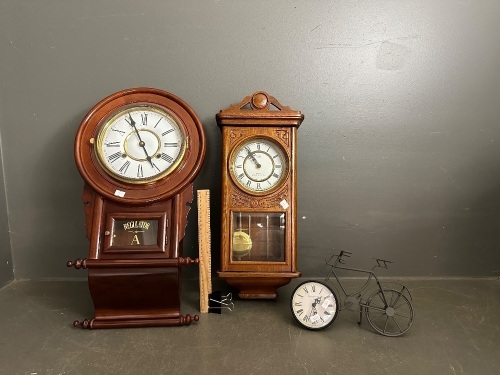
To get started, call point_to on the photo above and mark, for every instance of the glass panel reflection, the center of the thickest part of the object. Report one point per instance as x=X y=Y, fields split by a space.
x=135 y=233
x=258 y=236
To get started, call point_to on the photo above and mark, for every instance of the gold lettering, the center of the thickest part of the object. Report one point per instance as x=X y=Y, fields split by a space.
x=135 y=240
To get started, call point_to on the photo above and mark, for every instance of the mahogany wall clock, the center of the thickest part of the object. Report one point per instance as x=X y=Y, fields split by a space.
x=138 y=151
x=259 y=195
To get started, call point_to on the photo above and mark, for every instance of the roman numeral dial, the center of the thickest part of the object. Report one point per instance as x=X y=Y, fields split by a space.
x=314 y=305
x=141 y=144
x=258 y=165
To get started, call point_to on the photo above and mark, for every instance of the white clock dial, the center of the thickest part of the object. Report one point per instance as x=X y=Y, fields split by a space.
x=140 y=144
x=259 y=165
x=314 y=305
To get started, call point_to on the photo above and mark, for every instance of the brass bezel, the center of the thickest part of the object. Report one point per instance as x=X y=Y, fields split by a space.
x=107 y=122
x=281 y=181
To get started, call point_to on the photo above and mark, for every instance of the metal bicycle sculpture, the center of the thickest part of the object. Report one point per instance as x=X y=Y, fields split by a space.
x=388 y=309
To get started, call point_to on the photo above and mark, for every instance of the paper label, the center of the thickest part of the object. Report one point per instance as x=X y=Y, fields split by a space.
x=119 y=193
x=325 y=303
x=284 y=204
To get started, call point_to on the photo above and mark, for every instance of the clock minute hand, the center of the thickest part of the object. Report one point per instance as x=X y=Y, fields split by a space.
x=141 y=142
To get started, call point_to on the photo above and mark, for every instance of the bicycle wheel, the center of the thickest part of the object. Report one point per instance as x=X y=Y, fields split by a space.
x=391 y=316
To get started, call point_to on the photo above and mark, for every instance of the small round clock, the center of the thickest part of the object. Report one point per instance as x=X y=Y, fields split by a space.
x=314 y=305
x=258 y=165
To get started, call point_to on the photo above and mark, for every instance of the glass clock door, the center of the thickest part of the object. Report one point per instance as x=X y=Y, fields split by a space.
x=258 y=236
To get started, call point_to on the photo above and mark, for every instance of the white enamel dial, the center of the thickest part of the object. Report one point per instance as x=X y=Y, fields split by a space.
x=314 y=305
x=140 y=144
x=259 y=165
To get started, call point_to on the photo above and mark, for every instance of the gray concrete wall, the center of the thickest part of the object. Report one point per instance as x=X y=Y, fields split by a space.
x=398 y=153
x=6 y=265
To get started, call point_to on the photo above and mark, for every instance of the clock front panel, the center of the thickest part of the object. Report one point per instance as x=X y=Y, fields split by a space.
x=259 y=200
x=128 y=233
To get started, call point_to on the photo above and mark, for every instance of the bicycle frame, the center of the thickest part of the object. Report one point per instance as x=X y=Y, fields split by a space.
x=371 y=275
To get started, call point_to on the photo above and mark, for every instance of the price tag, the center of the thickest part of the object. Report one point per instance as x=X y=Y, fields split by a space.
x=284 y=204
x=325 y=303
x=119 y=193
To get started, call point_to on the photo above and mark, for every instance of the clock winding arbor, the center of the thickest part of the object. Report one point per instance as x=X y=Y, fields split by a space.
x=138 y=152
x=259 y=195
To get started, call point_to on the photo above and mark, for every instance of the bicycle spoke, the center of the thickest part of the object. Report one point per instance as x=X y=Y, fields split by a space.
x=385 y=327
x=396 y=301
x=395 y=321
x=378 y=316
x=403 y=316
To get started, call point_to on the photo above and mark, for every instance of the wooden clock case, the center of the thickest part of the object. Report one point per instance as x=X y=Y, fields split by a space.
x=259 y=115
x=136 y=286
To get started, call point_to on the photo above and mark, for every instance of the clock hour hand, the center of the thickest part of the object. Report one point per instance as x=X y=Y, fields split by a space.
x=141 y=142
x=251 y=155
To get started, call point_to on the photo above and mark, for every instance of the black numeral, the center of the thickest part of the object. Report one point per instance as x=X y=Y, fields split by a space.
x=140 y=173
x=125 y=166
x=144 y=119
x=167 y=132
x=300 y=312
x=171 y=144
x=114 y=157
x=113 y=144
x=118 y=131
x=167 y=158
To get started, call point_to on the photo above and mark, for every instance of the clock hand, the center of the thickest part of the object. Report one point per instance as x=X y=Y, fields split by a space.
x=253 y=158
x=141 y=142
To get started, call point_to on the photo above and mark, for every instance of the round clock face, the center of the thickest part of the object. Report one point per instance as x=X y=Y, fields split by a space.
x=314 y=305
x=259 y=165
x=140 y=144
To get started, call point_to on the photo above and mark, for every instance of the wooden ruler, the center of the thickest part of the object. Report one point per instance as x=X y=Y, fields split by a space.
x=204 y=248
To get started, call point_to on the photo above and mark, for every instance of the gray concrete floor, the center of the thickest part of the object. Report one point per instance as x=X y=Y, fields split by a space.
x=456 y=331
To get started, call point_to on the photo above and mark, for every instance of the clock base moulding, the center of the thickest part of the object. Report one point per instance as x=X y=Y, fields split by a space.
x=258 y=285
x=142 y=305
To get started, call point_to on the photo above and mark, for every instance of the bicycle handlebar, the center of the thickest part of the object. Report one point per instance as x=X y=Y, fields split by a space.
x=382 y=263
x=343 y=253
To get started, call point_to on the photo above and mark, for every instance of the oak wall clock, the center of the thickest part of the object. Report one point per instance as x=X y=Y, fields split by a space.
x=259 y=195
x=138 y=151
